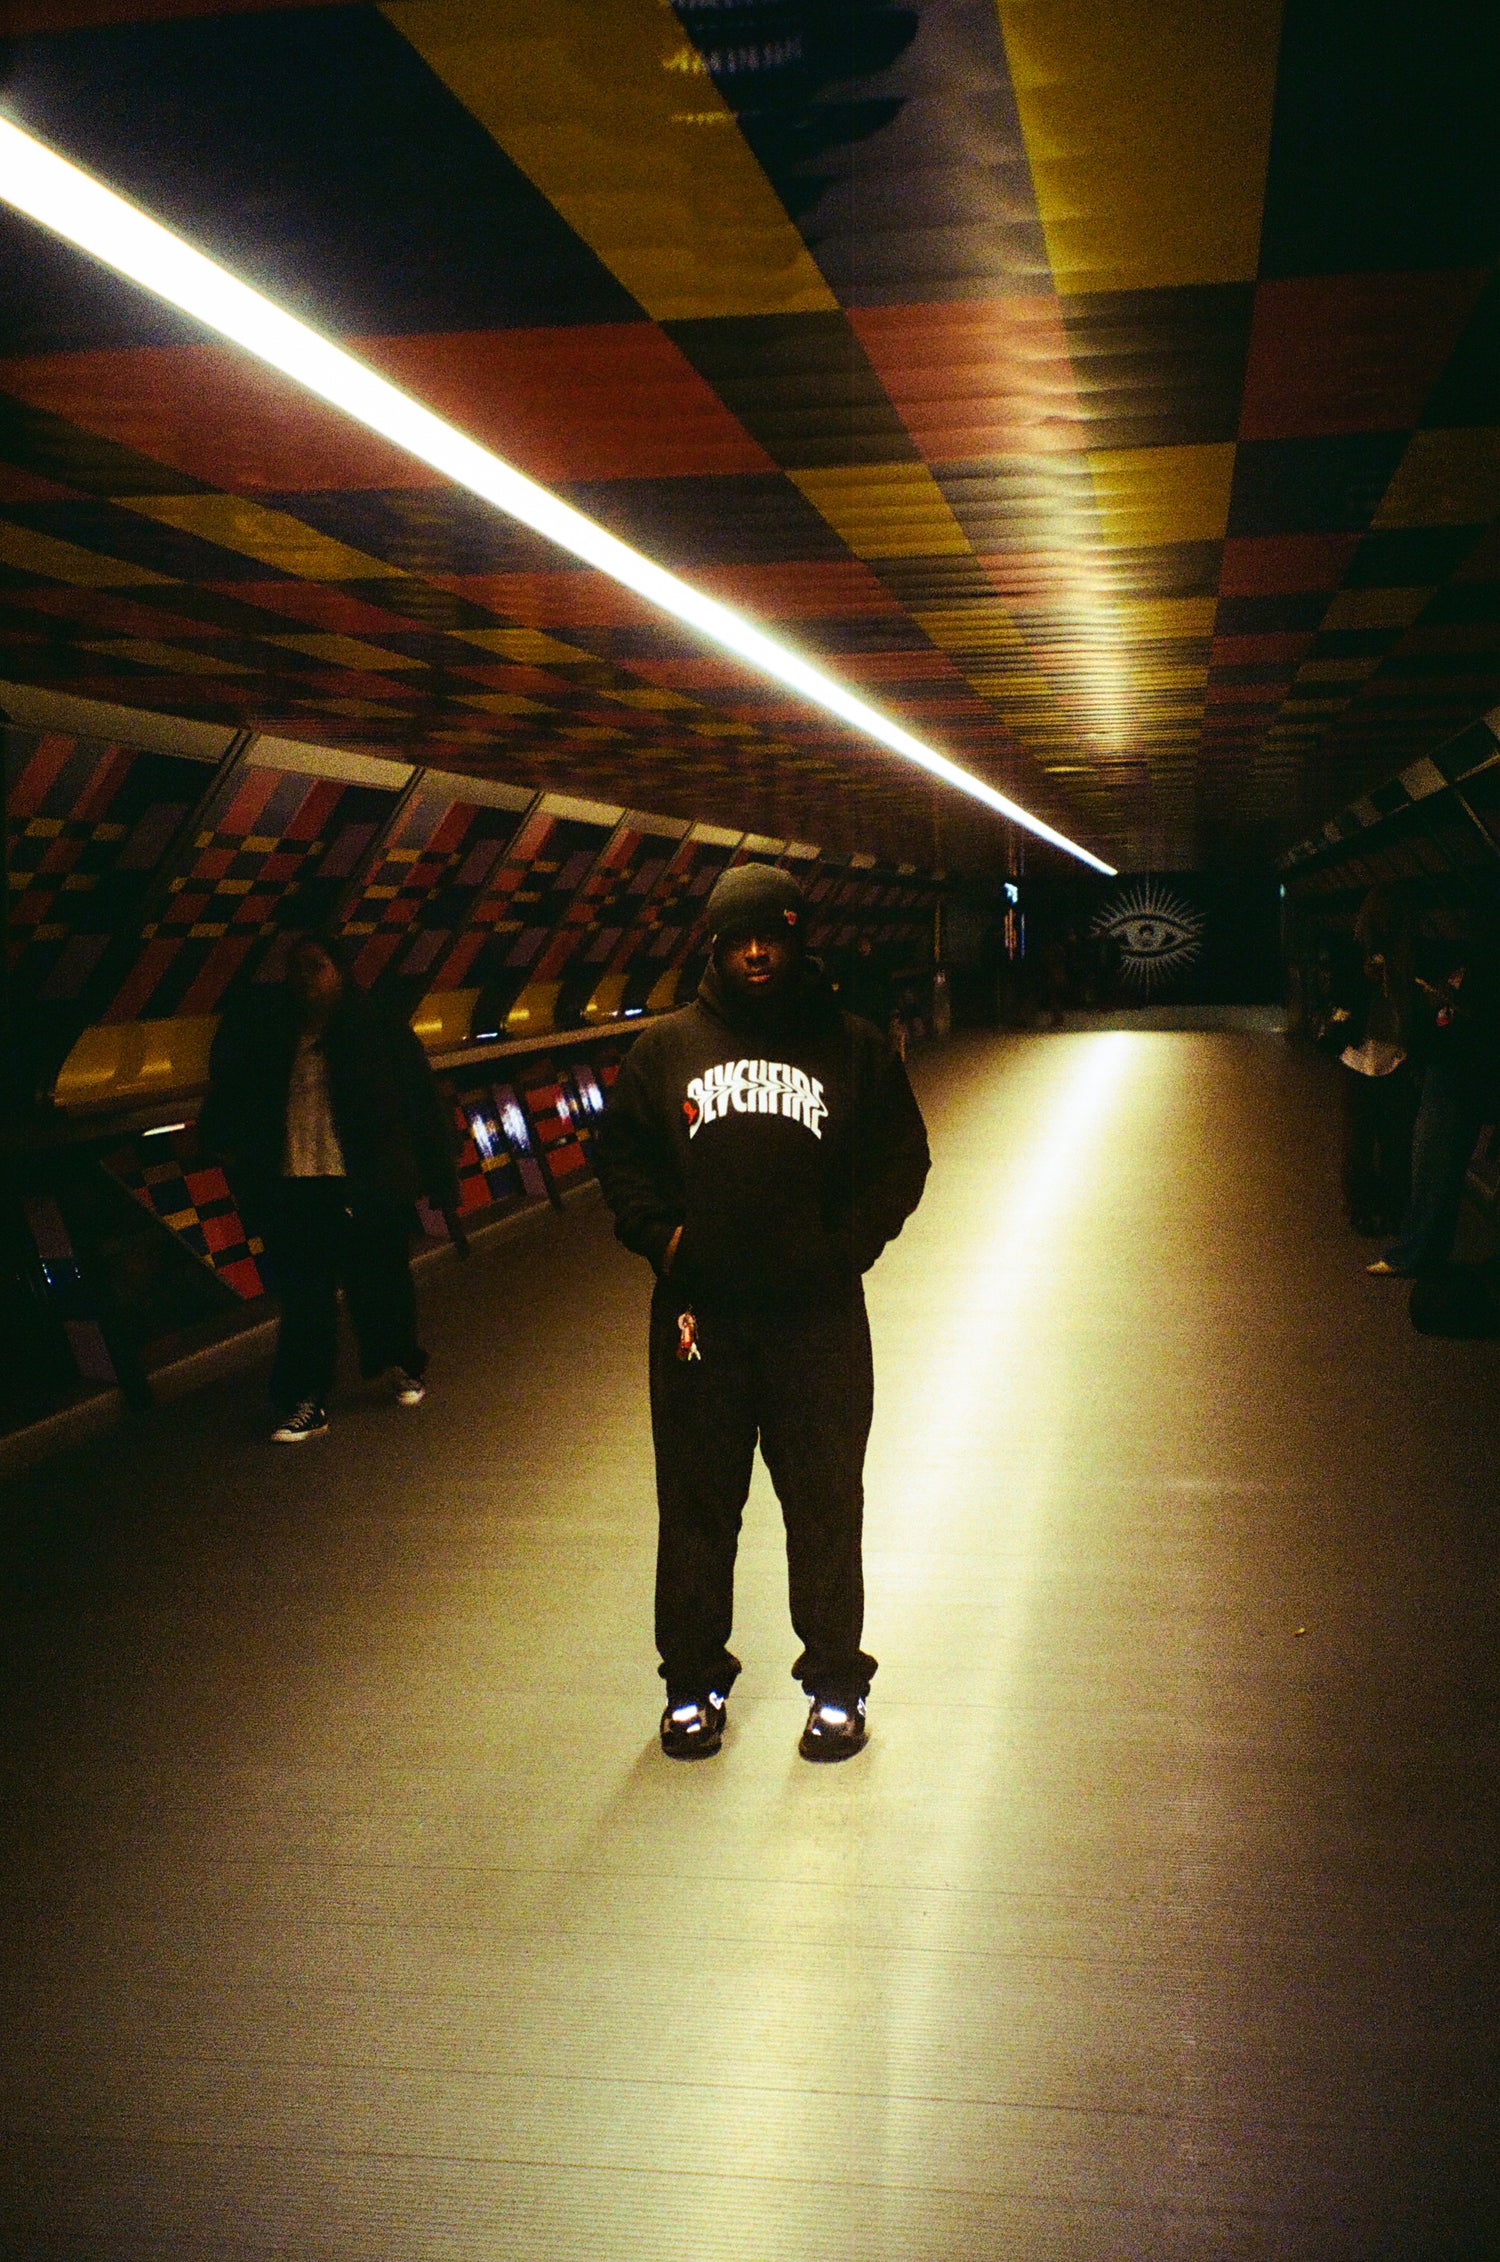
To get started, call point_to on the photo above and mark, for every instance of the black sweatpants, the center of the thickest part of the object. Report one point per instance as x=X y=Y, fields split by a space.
x=801 y=1381
x=1380 y=1113
x=319 y=1237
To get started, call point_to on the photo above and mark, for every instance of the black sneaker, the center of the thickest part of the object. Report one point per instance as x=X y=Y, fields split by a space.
x=306 y=1420
x=833 y=1731
x=410 y=1388
x=693 y=1728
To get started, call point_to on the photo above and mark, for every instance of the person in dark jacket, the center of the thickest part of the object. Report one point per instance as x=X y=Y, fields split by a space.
x=1371 y=1027
x=865 y=987
x=760 y=1148
x=1460 y=1094
x=331 y=1126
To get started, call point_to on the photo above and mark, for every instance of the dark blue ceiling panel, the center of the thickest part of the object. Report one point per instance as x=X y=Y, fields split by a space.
x=891 y=136
x=1322 y=486
x=425 y=530
x=1383 y=147
x=314 y=152
x=740 y=518
x=54 y=299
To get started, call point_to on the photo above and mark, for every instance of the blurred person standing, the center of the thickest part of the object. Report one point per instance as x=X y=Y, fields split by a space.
x=865 y=988
x=331 y=1126
x=1460 y=1093
x=1373 y=1011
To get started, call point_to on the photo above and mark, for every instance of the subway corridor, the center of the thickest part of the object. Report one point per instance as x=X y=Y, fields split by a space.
x=356 y=1913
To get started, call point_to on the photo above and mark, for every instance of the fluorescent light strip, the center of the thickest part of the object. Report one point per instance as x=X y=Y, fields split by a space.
x=37 y=181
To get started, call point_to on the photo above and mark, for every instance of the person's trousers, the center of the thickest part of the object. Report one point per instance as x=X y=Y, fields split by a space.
x=801 y=1381
x=321 y=1237
x=1379 y=1112
x=1448 y=1125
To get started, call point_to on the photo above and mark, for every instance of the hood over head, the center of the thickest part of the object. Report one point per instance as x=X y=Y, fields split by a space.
x=753 y=899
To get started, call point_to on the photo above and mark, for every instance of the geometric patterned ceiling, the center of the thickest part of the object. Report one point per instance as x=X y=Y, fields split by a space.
x=1109 y=389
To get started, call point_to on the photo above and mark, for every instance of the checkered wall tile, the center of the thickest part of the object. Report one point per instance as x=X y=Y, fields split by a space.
x=88 y=824
x=191 y=1198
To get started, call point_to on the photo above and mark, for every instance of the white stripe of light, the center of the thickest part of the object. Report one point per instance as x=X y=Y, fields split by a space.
x=38 y=182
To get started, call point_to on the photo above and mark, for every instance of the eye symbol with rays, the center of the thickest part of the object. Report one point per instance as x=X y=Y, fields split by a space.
x=1155 y=932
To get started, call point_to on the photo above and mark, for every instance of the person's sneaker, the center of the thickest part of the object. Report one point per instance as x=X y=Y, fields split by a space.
x=410 y=1388
x=833 y=1731
x=694 y=1727
x=306 y=1420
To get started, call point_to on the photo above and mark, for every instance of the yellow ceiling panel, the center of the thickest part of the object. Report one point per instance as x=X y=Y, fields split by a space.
x=1148 y=497
x=1165 y=616
x=504 y=703
x=275 y=537
x=1147 y=124
x=347 y=652
x=357 y=710
x=886 y=510
x=607 y=107
x=527 y=646
x=982 y=621
x=171 y=659
x=56 y=560
x=1449 y=478
x=648 y=697
x=1375 y=608
x=1150 y=686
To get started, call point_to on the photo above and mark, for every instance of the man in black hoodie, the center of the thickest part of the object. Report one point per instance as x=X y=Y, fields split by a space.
x=760 y=1148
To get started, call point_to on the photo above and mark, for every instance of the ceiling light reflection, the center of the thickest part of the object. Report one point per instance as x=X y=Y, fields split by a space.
x=49 y=189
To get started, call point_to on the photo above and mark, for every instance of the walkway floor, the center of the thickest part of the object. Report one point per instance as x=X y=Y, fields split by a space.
x=360 y=1920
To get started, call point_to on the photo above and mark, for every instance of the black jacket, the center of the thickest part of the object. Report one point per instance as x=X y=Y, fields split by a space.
x=1369 y=1000
x=393 y=1125
x=788 y=1147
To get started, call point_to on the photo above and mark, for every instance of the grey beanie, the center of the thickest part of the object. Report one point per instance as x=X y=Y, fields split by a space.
x=756 y=899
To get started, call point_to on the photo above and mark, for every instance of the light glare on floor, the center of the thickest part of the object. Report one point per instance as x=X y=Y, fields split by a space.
x=49 y=189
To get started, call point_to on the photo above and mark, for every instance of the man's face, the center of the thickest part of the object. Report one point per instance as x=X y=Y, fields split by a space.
x=757 y=965
x=314 y=979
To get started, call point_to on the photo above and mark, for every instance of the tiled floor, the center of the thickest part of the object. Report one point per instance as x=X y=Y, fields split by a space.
x=359 y=1917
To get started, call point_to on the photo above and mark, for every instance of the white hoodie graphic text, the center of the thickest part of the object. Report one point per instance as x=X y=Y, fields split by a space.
x=755 y=1087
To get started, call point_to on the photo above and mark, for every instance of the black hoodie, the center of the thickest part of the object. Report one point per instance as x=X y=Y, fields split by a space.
x=784 y=1140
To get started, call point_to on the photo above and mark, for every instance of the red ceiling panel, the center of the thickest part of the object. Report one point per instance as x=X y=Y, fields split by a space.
x=601 y=401
x=210 y=411
x=984 y=379
x=18 y=485
x=819 y=589
x=318 y=605
x=1350 y=353
x=552 y=600
x=1275 y=564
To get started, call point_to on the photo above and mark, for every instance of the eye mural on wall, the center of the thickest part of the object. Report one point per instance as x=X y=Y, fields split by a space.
x=1156 y=932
